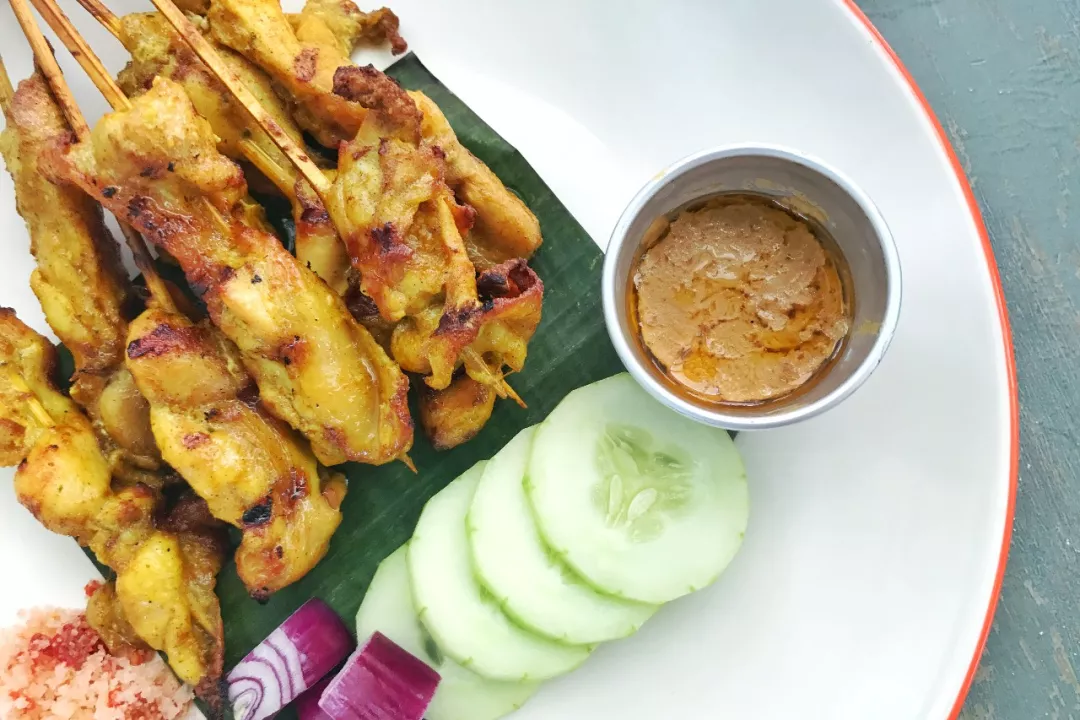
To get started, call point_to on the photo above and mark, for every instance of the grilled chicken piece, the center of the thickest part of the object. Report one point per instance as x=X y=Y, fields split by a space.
x=399 y=222
x=104 y=614
x=253 y=471
x=347 y=25
x=78 y=280
x=157 y=167
x=157 y=50
x=488 y=338
x=455 y=415
x=165 y=578
x=63 y=479
x=62 y=476
x=504 y=227
x=331 y=96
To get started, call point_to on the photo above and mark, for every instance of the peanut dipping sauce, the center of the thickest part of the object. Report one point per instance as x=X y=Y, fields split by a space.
x=737 y=300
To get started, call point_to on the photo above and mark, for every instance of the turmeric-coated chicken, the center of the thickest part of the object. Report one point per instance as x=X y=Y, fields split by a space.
x=488 y=339
x=253 y=471
x=166 y=568
x=348 y=25
x=63 y=480
x=78 y=280
x=398 y=220
x=331 y=96
x=157 y=50
x=157 y=167
x=62 y=476
x=457 y=413
x=504 y=228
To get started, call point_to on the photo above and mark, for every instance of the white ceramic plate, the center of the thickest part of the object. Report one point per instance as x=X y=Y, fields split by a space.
x=878 y=532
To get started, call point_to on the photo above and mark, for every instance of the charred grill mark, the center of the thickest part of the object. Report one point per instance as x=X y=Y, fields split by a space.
x=314 y=212
x=195 y=439
x=376 y=91
x=438 y=152
x=136 y=205
x=314 y=216
x=457 y=321
x=360 y=305
x=304 y=64
x=256 y=279
x=249 y=395
x=492 y=284
x=261 y=596
x=161 y=340
x=292 y=351
x=385 y=237
x=211 y=414
x=259 y=514
x=110 y=191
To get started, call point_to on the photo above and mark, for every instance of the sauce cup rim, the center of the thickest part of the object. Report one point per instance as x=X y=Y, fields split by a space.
x=746 y=418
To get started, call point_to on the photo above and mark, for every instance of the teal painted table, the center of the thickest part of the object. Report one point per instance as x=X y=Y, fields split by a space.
x=1004 y=78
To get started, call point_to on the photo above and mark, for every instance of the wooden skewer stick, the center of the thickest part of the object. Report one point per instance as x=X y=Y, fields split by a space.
x=159 y=291
x=36 y=408
x=54 y=76
x=46 y=62
x=103 y=15
x=7 y=92
x=209 y=55
x=254 y=154
x=502 y=388
x=81 y=51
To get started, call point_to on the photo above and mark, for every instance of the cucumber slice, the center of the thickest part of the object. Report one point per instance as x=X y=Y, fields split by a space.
x=641 y=502
x=534 y=588
x=464 y=620
x=462 y=694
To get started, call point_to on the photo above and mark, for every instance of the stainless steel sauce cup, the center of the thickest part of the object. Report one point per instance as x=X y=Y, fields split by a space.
x=807 y=186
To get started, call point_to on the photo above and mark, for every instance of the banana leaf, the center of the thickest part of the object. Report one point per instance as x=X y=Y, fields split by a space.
x=570 y=349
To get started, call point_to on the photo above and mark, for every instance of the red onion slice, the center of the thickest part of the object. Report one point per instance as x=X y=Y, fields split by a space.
x=308 y=645
x=380 y=682
x=307 y=705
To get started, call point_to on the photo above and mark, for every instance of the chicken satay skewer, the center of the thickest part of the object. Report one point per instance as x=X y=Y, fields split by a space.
x=46 y=61
x=79 y=280
x=239 y=91
x=268 y=166
x=90 y=63
x=64 y=480
x=317 y=243
x=315 y=366
x=290 y=536
x=313 y=174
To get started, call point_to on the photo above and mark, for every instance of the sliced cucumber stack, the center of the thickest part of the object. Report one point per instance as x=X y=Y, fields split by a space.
x=573 y=534
x=643 y=503
x=511 y=561
x=462 y=694
x=465 y=621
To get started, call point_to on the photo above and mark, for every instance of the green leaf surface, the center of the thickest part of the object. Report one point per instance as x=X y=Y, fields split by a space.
x=571 y=348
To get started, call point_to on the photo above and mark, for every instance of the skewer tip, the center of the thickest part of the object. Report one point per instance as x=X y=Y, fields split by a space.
x=7 y=91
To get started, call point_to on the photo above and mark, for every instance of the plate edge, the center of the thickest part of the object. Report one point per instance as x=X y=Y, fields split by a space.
x=1006 y=333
